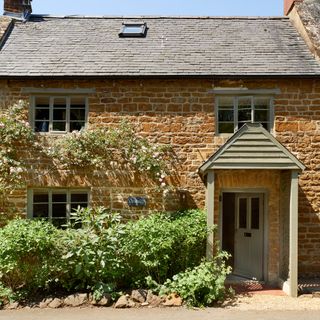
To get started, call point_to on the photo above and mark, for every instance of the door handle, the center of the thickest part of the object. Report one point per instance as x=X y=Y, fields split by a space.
x=247 y=234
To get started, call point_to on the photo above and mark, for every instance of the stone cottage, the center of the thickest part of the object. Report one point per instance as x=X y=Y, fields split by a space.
x=237 y=98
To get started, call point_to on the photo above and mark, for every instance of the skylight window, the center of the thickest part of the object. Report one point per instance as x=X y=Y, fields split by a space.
x=133 y=30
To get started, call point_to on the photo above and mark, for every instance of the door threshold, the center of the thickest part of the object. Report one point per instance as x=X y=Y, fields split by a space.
x=237 y=279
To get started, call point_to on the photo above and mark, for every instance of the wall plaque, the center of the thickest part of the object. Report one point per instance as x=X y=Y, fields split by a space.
x=137 y=202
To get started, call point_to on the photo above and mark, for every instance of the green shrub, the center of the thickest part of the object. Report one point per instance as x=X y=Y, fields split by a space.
x=162 y=245
x=201 y=285
x=90 y=247
x=27 y=254
x=97 y=252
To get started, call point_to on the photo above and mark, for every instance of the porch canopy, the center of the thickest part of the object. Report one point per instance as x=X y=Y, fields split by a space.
x=253 y=147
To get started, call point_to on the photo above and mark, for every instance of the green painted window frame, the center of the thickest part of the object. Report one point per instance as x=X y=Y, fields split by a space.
x=68 y=192
x=235 y=109
x=68 y=111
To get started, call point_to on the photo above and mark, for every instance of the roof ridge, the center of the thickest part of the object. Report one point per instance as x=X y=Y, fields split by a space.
x=75 y=16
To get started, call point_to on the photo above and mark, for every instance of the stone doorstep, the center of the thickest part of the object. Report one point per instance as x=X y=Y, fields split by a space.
x=247 y=286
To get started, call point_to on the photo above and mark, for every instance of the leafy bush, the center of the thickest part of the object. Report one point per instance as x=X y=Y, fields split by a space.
x=27 y=254
x=162 y=245
x=97 y=252
x=201 y=285
x=98 y=248
x=90 y=248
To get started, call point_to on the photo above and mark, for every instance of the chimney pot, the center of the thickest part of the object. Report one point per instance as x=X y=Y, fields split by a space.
x=288 y=5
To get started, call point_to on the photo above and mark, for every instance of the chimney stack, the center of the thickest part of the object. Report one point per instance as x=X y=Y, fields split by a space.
x=17 y=8
x=288 y=5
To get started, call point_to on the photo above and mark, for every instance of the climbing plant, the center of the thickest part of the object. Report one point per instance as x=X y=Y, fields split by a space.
x=116 y=148
x=15 y=134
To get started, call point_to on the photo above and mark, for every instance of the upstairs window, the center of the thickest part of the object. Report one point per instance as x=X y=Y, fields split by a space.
x=59 y=114
x=55 y=205
x=233 y=112
x=131 y=29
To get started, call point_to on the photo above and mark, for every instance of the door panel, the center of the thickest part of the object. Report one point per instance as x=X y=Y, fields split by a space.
x=249 y=236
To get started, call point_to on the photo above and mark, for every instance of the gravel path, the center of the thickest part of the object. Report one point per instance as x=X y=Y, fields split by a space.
x=271 y=302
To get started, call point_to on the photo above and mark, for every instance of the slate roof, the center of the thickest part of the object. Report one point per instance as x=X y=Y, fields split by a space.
x=252 y=147
x=174 y=46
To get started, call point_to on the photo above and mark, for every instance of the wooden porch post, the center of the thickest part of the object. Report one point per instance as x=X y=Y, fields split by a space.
x=293 y=235
x=210 y=211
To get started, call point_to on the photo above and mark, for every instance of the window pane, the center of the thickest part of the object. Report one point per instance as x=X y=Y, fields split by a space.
x=59 y=126
x=59 y=210
x=261 y=115
x=225 y=114
x=77 y=114
x=59 y=197
x=255 y=213
x=40 y=197
x=76 y=126
x=41 y=126
x=59 y=103
x=262 y=103
x=226 y=127
x=42 y=114
x=41 y=123
x=244 y=110
x=78 y=103
x=79 y=197
x=226 y=102
x=75 y=206
x=243 y=213
x=40 y=211
x=79 y=200
x=42 y=102
x=59 y=114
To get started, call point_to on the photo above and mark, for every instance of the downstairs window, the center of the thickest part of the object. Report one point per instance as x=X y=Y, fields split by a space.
x=55 y=205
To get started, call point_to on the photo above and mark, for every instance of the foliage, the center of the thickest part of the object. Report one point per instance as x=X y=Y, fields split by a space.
x=90 y=248
x=97 y=252
x=162 y=245
x=201 y=285
x=6 y=294
x=14 y=131
x=115 y=147
x=27 y=254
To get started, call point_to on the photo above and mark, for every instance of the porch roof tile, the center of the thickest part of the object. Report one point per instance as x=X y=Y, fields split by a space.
x=252 y=147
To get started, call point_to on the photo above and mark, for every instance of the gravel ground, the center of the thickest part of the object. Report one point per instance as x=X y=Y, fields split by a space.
x=273 y=302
